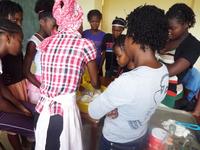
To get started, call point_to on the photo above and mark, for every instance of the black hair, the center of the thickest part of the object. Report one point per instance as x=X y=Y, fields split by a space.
x=120 y=42
x=148 y=26
x=44 y=8
x=182 y=13
x=119 y=22
x=94 y=12
x=8 y=7
x=9 y=27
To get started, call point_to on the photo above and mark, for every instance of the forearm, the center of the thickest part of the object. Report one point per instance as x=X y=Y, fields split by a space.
x=32 y=78
x=8 y=107
x=102 y=61
x=8 y=96
x=94 y=78
x=99 y=107
x=178 y=67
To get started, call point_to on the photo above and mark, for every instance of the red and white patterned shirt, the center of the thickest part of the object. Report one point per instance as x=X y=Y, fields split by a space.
x=63 y=63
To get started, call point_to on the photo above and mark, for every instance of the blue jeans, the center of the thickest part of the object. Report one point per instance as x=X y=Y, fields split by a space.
x=139 y=144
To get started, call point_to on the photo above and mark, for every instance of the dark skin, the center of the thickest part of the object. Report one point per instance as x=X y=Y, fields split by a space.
x=116 y=32
x=46 y=26
x=30 y=54
x=177 y=33
x=94 y=23
x=196 y=112
x=8 y=102
x=92 y=69
x=141 y=57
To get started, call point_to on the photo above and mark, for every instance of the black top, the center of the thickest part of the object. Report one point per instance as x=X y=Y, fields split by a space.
x=190 y=50
x=12 y=69
x=107 y=46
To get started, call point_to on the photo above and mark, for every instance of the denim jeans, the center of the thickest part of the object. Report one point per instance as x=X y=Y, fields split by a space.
x=139 y=144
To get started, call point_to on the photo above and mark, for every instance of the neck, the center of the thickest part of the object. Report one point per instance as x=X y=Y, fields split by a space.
x=173 y=44
x=146 y=58
x=94 y=31
x=42 y=33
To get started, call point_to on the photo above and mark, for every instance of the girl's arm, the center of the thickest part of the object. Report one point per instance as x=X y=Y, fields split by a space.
x=5 y=93
x=8 y=107
x=178 y=66
x=30 y=54
x=113 y=97
x=102 y=61
x=92 y=69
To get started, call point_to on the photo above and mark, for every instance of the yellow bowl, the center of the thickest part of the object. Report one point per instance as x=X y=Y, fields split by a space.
x=83 y=106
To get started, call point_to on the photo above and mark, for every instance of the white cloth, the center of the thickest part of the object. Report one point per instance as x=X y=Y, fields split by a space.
x=70 y=138
x=1 y=71
x=37 y=58
x=167 y=58
x=136 y=94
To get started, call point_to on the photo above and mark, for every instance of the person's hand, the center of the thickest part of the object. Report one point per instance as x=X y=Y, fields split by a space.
x=27 y=113
x=113 y=114
x=196 y=114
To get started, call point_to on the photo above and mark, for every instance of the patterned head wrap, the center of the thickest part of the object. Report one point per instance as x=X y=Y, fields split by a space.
x=68 y=14
x=69 y=17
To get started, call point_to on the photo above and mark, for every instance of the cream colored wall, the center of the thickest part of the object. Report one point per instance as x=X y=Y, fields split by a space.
x=87 y=5
x=196 y=30
x=120 y=8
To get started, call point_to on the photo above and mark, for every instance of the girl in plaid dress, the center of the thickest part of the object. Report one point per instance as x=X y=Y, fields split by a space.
x=64 y=55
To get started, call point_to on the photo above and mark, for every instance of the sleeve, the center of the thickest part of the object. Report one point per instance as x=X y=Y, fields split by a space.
x=191 y=52
x=191 y=56
x=112 y=98
x=83 y=34
x=90 y=51
x=103 y=44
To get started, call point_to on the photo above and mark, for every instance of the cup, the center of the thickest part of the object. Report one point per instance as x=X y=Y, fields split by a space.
x=157 y=139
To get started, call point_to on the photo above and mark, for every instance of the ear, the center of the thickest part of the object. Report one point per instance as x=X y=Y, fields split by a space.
x=8 y=38
x=42 y=22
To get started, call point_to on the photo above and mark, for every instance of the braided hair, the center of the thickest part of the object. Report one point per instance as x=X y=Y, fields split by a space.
x=148 y=26
x=44 y=8
x=9 y=27
x=8 y=7
x=183 y=13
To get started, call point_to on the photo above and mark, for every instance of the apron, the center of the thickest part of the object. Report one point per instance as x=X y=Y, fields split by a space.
x=70 y=138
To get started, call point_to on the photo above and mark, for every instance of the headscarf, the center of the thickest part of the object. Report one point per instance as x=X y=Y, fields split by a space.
x=69 y=16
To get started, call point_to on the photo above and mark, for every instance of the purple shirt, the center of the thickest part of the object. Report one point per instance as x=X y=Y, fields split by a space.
x=97 y=39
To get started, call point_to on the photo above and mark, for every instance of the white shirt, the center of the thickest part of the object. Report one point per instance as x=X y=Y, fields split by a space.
x=136 y=94
x=37 y=58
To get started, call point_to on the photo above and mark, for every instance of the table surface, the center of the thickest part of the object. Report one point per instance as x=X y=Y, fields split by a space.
x=163 y=114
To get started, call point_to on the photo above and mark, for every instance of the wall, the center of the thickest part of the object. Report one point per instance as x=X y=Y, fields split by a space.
x=196 y=30
x=30 y=20
x=110 y=9
x=87 y=5
x=120 y=8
